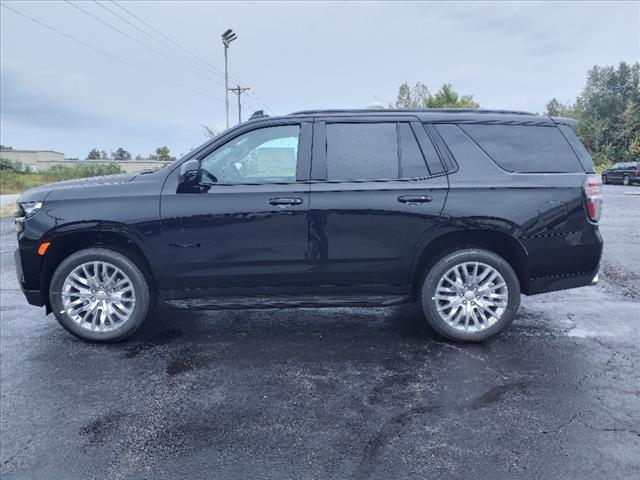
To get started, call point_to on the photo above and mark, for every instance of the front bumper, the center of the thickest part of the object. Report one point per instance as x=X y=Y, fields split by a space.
x=34 y=297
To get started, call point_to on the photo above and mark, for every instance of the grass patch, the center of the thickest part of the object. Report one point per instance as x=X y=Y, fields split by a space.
x=12 y=181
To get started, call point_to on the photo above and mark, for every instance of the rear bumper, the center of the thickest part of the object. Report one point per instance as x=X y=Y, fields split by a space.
x=551 y=284
x=563 y=260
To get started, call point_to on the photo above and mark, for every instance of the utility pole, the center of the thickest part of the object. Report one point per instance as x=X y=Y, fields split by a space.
x=239 y=91
x=227 y=37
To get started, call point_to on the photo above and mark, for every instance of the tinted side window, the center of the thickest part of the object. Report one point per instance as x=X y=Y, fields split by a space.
x=359 y=151
x=412 y=164
x=464 y=150
x=583 y=155
x=525 y=149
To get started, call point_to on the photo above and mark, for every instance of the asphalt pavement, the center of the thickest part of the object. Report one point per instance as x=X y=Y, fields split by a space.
x=349 y=393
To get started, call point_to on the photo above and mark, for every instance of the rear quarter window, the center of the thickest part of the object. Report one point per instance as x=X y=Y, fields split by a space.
x=578 y=147
x=526 y=148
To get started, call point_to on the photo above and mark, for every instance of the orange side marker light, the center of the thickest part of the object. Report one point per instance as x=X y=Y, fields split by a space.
x=42 y=249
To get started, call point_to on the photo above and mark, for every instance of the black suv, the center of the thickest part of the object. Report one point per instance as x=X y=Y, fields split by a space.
x=460 y=210
x=625 y=173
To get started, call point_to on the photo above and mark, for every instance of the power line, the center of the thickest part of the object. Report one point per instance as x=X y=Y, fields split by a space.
x=140 y=43
x=261 y=101
x=152 y=37
x=214 y=69
x=205 y=62
x=107 y=54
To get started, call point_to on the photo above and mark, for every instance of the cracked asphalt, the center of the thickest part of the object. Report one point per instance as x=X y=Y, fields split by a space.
x=333 y=393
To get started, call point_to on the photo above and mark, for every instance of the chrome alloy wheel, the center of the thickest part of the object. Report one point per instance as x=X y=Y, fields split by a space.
x=98 y=296
x=471 y=296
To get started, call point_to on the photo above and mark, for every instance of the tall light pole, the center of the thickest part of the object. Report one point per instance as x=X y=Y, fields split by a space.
x=227 y=38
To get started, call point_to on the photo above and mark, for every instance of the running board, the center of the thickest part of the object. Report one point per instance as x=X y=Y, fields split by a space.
x=287 y=301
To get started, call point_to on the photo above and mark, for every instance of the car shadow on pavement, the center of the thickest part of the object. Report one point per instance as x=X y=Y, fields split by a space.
x=168 y=324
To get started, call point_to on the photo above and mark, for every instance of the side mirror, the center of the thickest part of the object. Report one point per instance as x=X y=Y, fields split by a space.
x=189 y=173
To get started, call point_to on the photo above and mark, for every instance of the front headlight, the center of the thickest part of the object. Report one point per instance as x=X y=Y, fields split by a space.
x=28 y=209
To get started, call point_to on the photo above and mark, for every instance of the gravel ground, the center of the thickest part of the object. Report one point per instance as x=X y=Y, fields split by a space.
x=333 y=393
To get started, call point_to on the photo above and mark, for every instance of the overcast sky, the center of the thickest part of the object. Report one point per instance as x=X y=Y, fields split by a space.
x=59 y=95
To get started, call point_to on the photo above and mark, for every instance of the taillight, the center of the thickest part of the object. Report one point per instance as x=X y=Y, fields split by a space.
x=593 y=198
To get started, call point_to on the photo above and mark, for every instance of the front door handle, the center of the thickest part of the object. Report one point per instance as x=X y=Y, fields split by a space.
x=415 y=198
x=282 y=202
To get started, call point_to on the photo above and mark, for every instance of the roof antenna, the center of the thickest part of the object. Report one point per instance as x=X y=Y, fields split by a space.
x=258 y=114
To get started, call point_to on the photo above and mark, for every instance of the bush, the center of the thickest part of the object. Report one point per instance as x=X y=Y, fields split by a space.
x=10 y=165
x=83 y=170
x=12 y=181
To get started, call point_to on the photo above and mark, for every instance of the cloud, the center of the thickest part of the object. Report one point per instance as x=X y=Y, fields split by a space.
x=294 y=55
x=53 y=103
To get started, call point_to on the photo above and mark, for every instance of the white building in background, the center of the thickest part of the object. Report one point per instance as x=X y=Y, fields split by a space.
x=30 y=159
x=40 y=160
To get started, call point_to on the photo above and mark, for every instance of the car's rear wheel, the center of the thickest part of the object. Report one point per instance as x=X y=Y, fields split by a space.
x=470 y=295
x=626 y=180
x=99 y=295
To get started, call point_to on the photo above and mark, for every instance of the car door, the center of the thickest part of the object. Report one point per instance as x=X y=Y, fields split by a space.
x=373 y=199
x=248 y=224
x=628 y=170
x=616 y=173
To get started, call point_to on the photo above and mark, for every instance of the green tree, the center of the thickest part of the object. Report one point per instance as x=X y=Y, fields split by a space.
x=447 y=97
x=415 y=97
x=94 y=154
x=420 y=97
x=555 y=108
x=7 y=165
x=104 y=155
x=121 y=155
x=163 y=154
x=608 y=113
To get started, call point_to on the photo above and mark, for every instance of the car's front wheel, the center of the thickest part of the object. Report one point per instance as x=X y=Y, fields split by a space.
x=470 y=295
x=99 y=295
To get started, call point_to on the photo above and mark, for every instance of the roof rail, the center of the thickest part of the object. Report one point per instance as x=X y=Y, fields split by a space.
x=414 y=110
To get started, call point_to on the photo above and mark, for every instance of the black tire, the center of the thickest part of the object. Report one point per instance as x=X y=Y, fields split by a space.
x=138 y=280
x=442 y=266
x=604 y=180
x=626 y=181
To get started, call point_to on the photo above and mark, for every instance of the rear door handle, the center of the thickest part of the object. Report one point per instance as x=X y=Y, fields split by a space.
x=415 y=198
x=283 y=202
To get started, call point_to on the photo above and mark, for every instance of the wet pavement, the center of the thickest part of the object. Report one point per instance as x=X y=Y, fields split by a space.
x=333 y=393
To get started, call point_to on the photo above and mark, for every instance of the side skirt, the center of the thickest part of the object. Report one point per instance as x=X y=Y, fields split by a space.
x=288 y=301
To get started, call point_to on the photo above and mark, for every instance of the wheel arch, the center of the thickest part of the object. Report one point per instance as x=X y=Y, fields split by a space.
x=66 y=243
x=498 y=242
